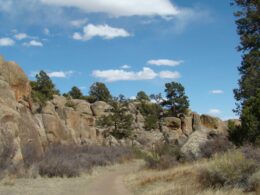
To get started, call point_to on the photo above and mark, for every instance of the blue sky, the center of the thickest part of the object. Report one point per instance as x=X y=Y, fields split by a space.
x=131 y=45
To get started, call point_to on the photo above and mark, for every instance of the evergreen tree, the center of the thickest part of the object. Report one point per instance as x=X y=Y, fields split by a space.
x=248 y=28
x=176 y=100
x=151 y=113
x=118 y=118
x=43 y=88
x=100 y=92
x=142 y=96
x=247 y=95
x=75 y=93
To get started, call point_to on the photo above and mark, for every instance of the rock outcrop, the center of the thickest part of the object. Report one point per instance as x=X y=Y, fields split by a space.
x=27 y=127
x=16 y=78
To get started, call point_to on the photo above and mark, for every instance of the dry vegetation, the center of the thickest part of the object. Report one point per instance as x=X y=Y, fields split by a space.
x=57 y=185
x=61 y=160
x=233 y=172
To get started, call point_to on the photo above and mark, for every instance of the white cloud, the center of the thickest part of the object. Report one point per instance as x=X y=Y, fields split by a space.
x=46 y=31
x=55 y=74
x=169 y=75
x=117 y=8
x=188 y=16
x=215 y=112
x=216 y=91
x=60 y=74
x=103 y=31
x=5 y=42
x=33 y=43
x=125 y=66
x=165 y=62
x=78 y=23
x=21 y=36
x=123 y=75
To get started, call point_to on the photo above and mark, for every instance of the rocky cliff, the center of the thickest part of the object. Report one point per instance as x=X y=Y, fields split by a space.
x=23 y=124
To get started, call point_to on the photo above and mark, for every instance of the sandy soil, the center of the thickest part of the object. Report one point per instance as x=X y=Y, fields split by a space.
x=103 y=181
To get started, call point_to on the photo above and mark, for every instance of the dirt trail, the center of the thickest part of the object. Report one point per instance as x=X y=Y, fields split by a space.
x=104 y=181
x=111 y=183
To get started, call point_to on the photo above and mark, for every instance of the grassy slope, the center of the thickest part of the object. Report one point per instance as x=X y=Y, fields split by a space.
x=180 y=180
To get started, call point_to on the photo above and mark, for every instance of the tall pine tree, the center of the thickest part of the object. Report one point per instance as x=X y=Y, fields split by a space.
x=247 y=95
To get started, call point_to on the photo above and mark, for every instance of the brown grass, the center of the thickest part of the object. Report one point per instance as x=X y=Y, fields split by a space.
x=184 y=179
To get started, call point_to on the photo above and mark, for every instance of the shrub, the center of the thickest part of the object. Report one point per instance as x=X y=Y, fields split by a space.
x=151 y=122
x=69 y=161
x=163 y=157
x=228 y=169
x=30 y=155
x=251 y=152
x=90 y=99
x=254 y=182
x=215 y=144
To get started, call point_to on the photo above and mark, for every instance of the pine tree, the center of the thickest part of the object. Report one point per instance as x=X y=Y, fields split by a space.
x=75 y=93
x=248 y=28
x=118 y=118
x=176 y=100
x=43 y=88
x=248 y=93
x=100 y=92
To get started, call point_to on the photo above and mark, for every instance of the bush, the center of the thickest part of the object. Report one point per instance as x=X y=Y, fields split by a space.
x=69 y=161
x=254 y=182
x=215 y=144
x=30 y=155
x=151 y=122
x=228 y=169
x=163 y=157
x=251 y=152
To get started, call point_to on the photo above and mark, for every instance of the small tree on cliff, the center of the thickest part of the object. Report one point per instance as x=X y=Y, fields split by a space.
x=75 y=93
x=43 y=88
x=142 y=96
x=100 y=92
x=176 y=100
x=118 y=118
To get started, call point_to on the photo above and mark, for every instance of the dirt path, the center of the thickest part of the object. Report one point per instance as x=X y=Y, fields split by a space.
x=111 y=183
x=104 y=181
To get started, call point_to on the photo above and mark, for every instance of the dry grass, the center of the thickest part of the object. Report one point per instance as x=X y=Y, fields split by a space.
x=230 y=169
x=180 y=180
x=53 y=186
x=171 y=181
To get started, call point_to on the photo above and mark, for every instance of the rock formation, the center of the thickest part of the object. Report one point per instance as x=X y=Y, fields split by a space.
x=67 y=121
